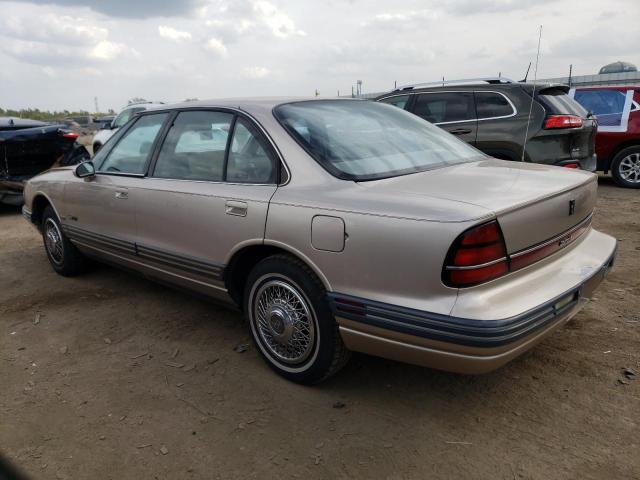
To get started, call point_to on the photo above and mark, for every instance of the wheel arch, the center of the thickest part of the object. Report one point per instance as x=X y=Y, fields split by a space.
x=39 y=203
x=634 y=142
x=244 y=259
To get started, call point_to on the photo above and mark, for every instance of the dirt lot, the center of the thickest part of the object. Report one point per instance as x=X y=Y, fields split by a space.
x=112 y=376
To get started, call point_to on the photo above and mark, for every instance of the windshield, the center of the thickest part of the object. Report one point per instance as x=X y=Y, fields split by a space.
x=363 y=140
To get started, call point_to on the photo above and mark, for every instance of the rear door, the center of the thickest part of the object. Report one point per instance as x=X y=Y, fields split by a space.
x=500 y=131
x=453 y=111
x=208 y=194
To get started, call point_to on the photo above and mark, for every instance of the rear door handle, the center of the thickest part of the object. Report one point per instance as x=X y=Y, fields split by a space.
x=234 y=207
x=122 y=194
x=460 y=131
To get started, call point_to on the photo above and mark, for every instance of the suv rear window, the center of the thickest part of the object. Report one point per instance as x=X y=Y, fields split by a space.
x=492 y=105
x=445 y=107
x=557 y=102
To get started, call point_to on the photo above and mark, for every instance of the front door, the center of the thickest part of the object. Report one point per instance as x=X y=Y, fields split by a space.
x=452 y=111
x=100 y=212
x=207 y=196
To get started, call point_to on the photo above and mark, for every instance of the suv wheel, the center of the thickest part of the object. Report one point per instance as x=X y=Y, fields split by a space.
x=291 y=322
x=64 y=257
x=625 y=167
x=96 y=147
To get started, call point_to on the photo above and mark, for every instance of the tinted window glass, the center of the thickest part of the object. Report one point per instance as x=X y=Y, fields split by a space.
x=249 y=160
x=195 y=147
x=601 y=102
x=445 y=107
x=363 y=140
x=490 y=104
x=557 y=102
x=131 y=152
x=399 y=101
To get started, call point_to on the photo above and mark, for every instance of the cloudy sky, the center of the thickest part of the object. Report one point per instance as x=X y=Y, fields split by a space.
x=59 y=54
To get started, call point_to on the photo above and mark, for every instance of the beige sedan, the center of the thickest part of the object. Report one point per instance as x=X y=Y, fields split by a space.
x=336 y=225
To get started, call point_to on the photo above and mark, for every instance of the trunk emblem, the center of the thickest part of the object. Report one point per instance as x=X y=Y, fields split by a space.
x=572 y=207
x=564 y=240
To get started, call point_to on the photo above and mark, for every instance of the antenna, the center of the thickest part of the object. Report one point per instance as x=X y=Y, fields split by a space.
x=533 y=93
x=526 y=74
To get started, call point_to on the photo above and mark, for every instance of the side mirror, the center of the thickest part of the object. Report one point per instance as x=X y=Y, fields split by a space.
x=85 y=170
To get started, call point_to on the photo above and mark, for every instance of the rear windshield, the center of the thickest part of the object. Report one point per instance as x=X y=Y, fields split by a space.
x=361 y=140
x=557 y=102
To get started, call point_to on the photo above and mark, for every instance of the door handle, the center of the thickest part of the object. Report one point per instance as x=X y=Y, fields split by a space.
x=460 y=131
x=122 y=194
x=234 y=207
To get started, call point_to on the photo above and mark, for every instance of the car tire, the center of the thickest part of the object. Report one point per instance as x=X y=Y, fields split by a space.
x=64 y=257
x=625 y=167
x=291 y=322
x=96 y=147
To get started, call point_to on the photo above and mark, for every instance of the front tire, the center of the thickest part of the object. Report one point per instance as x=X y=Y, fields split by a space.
x=291 y=322
x=64 y=257
x=96 y=147
x=625 y=167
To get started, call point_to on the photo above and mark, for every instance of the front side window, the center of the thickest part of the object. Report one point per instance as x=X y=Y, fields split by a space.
x=492 y=105
x=124 y=116
x=132 y=151
x=195 y=146
x=362 y=140
x=249 y=159
x=445 y=107
x=399 y=101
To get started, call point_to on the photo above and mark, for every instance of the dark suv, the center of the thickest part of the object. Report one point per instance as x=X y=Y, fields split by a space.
x=493 y=115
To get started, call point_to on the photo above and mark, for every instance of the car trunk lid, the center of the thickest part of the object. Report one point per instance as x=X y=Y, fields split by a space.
x=533 y=203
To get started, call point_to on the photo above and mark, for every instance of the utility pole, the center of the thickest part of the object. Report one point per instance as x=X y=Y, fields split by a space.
x=95 y=102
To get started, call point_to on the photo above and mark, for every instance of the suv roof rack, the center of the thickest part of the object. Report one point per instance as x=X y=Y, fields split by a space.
x=463 y=81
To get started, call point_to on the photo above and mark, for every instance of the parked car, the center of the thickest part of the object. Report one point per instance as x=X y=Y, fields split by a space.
x=336 y=225
x=618 y=140
x=104 y=122
x=123 y=117
x=493 y=115
x=28 y=147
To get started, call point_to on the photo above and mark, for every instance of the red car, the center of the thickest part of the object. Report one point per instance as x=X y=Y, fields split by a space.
x=617 y=109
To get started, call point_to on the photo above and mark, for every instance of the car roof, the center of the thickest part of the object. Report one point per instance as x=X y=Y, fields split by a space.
x=244 y=103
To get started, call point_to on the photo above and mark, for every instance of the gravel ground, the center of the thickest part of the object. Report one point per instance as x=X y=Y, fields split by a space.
x=111 y=376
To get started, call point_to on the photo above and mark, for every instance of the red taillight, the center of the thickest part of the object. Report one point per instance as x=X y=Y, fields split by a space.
x=571 y=165
x=72 y=135
x=477 y=256
x=563 y=121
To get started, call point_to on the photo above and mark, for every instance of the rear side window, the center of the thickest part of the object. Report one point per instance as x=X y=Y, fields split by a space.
x=492 y=105
x=399 y=101
x=557 y=102
x=195 y=146
x=249 y=158
x=131 y=152
x=445 y=107
x=601 y=102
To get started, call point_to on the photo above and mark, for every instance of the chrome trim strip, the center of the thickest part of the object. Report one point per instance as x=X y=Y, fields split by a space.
x=555 y=239
x=473 y=267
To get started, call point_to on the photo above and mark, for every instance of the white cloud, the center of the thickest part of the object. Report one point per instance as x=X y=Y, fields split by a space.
x=279 y=23
x=52 y=28
x=172 y=34
x=216 y=47
x=256 y=72
x=107 y=50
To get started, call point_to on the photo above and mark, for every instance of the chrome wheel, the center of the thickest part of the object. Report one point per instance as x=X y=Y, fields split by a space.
x=629 y=168
x=53 y=241
x=284 y=321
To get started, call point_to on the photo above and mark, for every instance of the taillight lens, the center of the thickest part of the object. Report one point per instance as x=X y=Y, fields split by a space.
x=563 y=121
x=571 y=165
x=477 y=256
x=72 y=135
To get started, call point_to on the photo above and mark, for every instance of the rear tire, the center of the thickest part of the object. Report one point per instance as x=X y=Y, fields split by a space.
x=625 y=167
x=64 y=257
x=96 y=147
x=291 y=322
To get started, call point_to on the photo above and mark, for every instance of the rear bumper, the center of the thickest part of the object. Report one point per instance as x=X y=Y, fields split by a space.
x=462 y=345
x=590 y=163
x=11 y=192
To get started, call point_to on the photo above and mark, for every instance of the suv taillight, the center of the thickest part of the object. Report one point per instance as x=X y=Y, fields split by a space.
x=563 y=121
x=477 y=256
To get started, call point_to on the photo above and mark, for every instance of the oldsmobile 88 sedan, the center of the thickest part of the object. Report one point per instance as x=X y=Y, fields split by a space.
x=337 y=226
